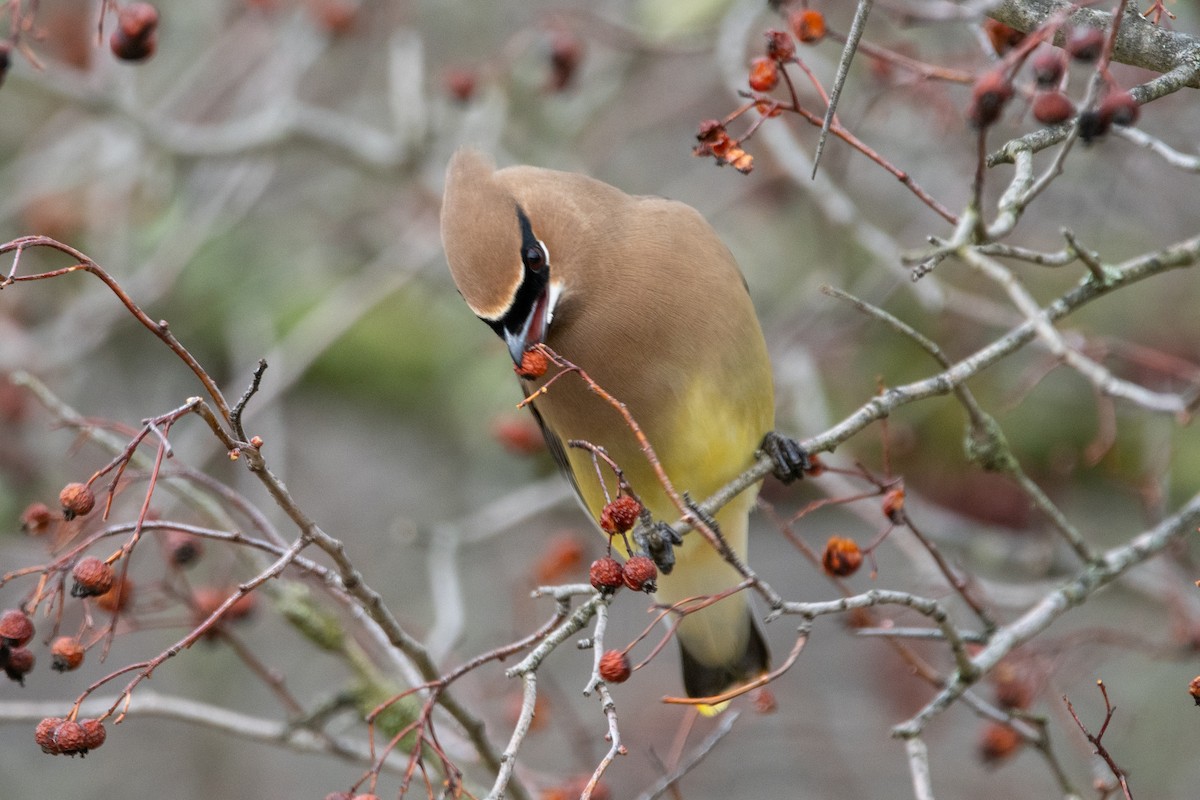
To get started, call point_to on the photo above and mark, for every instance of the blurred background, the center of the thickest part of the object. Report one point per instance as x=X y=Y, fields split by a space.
x=268 y=181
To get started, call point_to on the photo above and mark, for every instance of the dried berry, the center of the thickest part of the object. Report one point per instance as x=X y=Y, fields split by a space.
x=1051 y=108
x=1002 y=37
x=92 y=577
x=44 y=734
x=136 y=36
x=66 y=654
x=17 y=662
x=1013 y=687
x=893 y=504
x=988 y=98
x=620 y=515
x=1093 y=125
x=1048 y=68
x=606 y=575
x=764 y=74
x=16 y=628
x=183 y=549
x=639 y=574
x=841 y=557
x=1085 y=44
x=206 y=600
x=780 y=46
x=118 y=597
x=998 y=742
x=562 y=556
x=808 y=25
x=1194 y=689
x=94 y=734
x=71 y=739
x=76 y=500
x=534 y=364
x=815 y=465
x=614 y=667
x=36 y=519
x=1119 y=108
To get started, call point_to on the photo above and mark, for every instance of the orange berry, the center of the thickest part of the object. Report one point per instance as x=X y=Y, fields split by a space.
x=614 y=667
x=893 y=504
x=808 y=25
x=841 y=557
x=16 y=628
x=76 y=500
x=562 y=556
x=534 y=364
x=639 y=574
x=606 y=575
x=92 y=577
x=1051 y=108
x=1194 y=689
x=764 y=74
x=620 y=515
x=118 y=597
x=998 y=743
x=66 y=654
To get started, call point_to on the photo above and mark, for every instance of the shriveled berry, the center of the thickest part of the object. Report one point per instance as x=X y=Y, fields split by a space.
x=36 y=519
x=988 y=98
x=1013 y=686
x=620 y=515
x=841 y=557
x=71 y=739
x=16 y=628
x=534 y=364
x=1084 y=44
x=764 y=74
x=614 y=667
x=1048 y=68
x=1093 y=125
x=183 y=549
x=639 y=574
x=562 y=556
x=780 y=45
x=76 y=500
x=1002 y=37
x=998 y=742
x=1119 y=108
x=94 y=734
x=66 y=654
x=1194 y=689
x=893 y=504
x=606 y=575
x=118 y=597
x=17 y=663
x=1051 y=108
x=808 y=24
x=44 y=734
x=136 y=36
x=92 y=577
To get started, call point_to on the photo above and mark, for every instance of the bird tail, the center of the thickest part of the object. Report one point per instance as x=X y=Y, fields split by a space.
x=707 y=679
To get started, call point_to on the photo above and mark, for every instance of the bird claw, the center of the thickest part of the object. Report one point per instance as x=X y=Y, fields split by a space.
x=659 y=540
x=791 y=460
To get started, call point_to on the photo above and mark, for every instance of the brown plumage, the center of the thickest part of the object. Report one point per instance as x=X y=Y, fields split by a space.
x=641 y=293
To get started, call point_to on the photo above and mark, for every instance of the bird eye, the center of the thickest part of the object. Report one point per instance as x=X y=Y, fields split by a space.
x=534 y=257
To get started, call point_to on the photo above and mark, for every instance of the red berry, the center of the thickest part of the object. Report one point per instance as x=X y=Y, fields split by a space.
x=566 y=54
x=44 y=734
x=71 y=739
x=1048 y=68
x=614 y=667
x=36 y=519
x=92 y=577
x=460 y=83
x=94 y=734
x=1002 y=37
x=17 y=662
x=118 y=597
x=808 y=25
x=1051 y=108
x=764 y=74
x=998 y=742
x=1119 y=108
x=639 y=574
x=893 y=503
x=780 y=46
x=606 y=575
x=16 y=628
x=66 y=654
x=988 y=97
x=1085 y=44
x=534 y=364
x=136 y=36
x=841 y=557
x=76 y=500
x=1194 y=689
x=183 y=548
x=620 y=515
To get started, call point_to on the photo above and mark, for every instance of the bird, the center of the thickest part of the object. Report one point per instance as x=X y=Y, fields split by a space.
x=641 y=294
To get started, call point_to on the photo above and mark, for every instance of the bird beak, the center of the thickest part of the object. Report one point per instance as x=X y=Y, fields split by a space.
x=533 y=330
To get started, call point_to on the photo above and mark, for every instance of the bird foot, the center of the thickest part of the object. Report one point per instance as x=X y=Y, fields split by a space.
x=791 y=460
x=659 y=540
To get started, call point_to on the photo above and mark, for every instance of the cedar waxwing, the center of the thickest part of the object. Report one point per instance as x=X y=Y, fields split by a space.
x=641 y=294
